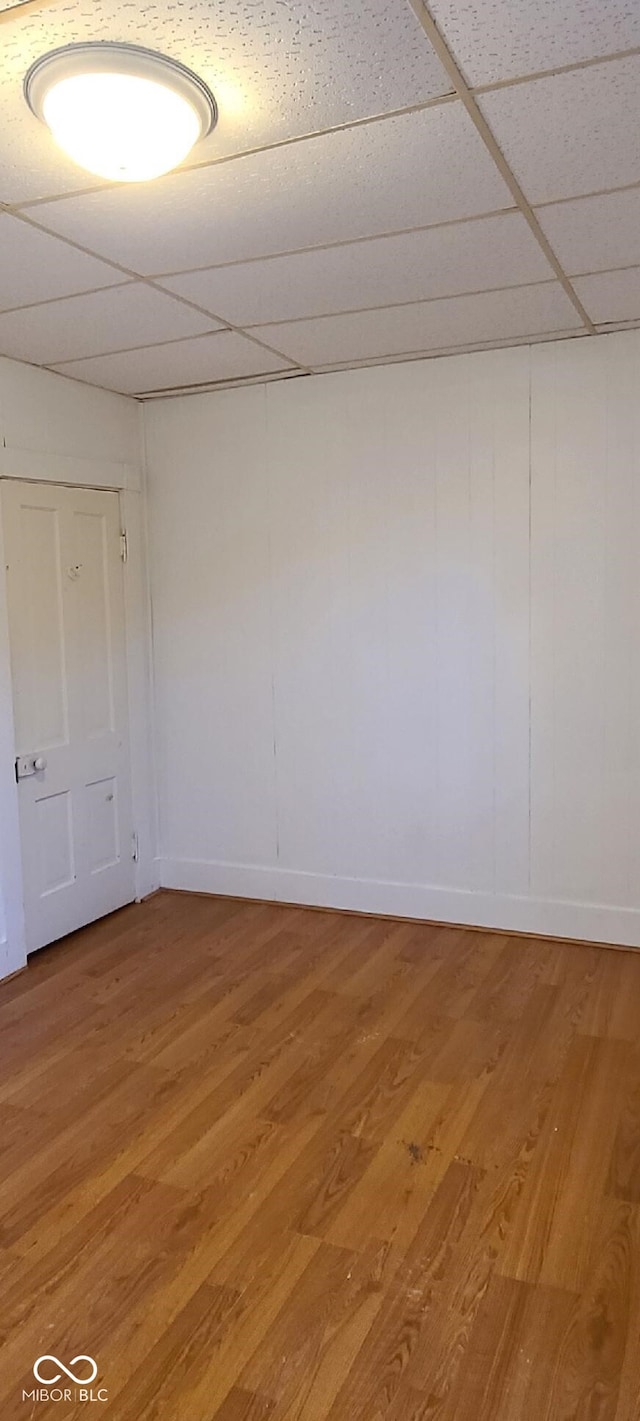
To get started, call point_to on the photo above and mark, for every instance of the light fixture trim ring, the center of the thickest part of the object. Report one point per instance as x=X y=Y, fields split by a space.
x=98 y=56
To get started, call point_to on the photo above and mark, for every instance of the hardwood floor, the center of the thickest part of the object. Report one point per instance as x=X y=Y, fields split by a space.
x=268 y=1162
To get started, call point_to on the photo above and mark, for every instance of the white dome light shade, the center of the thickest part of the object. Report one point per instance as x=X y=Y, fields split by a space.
x=119 y=126
x=122 y=112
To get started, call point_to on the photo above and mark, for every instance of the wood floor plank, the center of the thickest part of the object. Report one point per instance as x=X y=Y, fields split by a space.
x=508 y=986
x=267 y=1162
x=514 y=1341
x=568 y=1175
x=174 y=1366
x=128 y=1263
x=205 y=1256
x=624 y=1171
x=242 y=1405
x=586 y=1378
x=398 y=1332
x=522 y=1085
x=79 y=1180
x=392 y=1196
x=328 y=1313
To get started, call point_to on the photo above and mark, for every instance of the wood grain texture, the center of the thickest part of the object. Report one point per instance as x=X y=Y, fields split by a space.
x=262 y=1162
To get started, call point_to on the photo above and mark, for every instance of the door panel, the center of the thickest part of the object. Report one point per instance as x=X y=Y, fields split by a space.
x=67 y=637
x=94 y=642
x=54 y=832
x=38 y=651
x=103 y=840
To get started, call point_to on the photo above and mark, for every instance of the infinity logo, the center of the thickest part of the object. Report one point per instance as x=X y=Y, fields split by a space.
x=50 y=1381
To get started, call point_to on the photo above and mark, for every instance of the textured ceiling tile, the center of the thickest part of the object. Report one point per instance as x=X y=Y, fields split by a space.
x=595 y=233
x=470 y=256
x=116 y=319
x=403 y=172
x=499 y=39
x=434 y=325
x=225 y=356
x=36 y=267
x=572 y=133
x=278 y=70
x=611 y=296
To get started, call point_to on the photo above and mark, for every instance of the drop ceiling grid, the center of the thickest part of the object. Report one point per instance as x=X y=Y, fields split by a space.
x=213 y=292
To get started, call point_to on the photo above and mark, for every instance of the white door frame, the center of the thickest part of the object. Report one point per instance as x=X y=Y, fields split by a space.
x=127 y=482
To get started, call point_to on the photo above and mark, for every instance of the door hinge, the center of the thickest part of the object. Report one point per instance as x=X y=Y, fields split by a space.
x=135 y=848
x=124 y=545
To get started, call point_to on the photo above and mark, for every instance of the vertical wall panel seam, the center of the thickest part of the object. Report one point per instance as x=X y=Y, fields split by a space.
x=156 y=848
x=530 y=627
x=494 y=667
x=272 y=639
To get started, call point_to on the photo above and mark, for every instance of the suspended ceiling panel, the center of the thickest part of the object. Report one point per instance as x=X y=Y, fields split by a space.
x=212 y=358
x=495 y=40
x=117 y=319
x=595 y=233
x=349 y=208
x=37 y=267
x=441 y=261
x=571 y=133
x=611 y=296
x=430 y=325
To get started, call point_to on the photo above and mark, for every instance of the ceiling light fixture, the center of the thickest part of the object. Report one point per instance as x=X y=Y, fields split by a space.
x=118 y=110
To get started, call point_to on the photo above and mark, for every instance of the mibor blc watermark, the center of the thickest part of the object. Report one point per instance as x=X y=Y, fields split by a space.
x=49 y=1372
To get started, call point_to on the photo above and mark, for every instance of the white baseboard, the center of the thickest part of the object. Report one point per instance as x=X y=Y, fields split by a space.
x=543 y=918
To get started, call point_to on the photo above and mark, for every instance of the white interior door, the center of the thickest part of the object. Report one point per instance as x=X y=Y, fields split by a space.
x=67 y=638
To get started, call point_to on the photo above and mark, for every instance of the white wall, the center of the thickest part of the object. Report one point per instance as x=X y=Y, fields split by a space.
x=396 y=638
x=59 y=430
